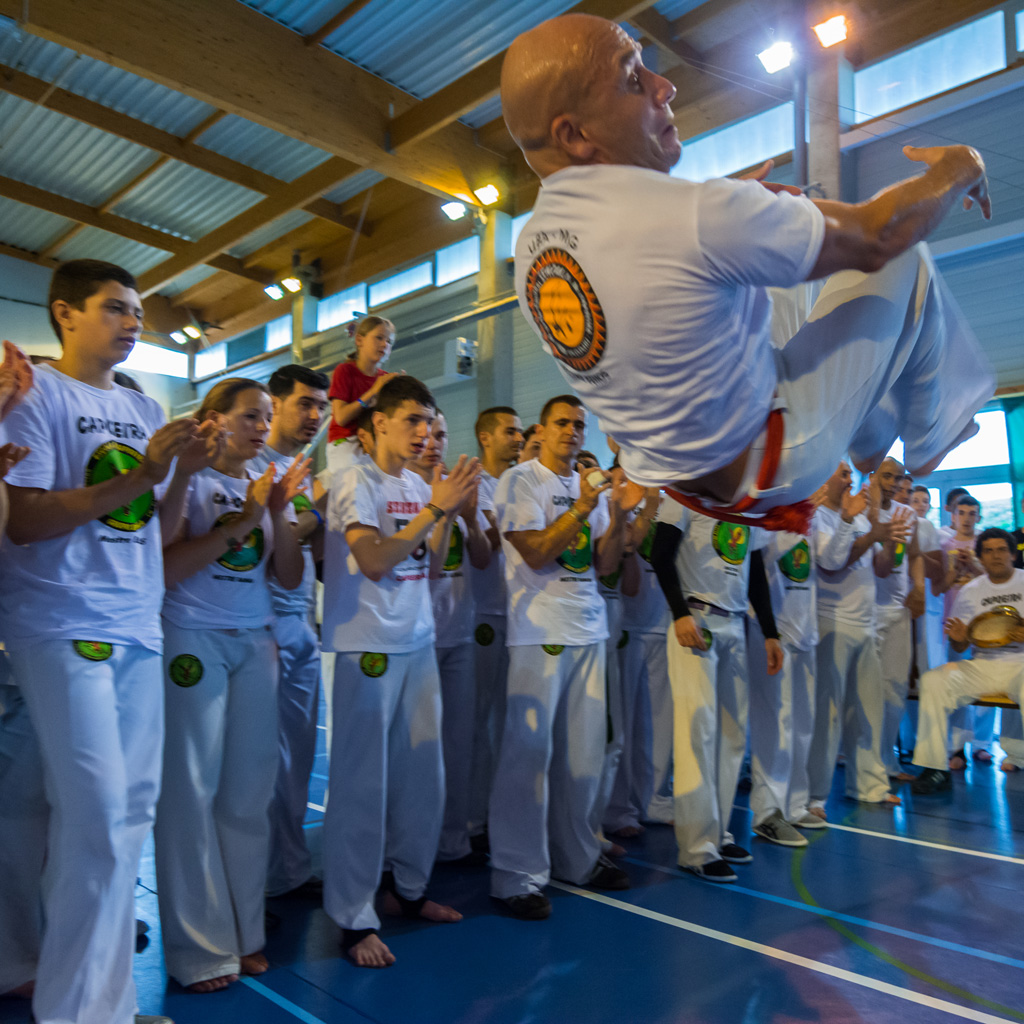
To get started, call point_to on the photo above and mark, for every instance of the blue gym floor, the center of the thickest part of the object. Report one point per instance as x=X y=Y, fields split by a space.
x=908 y=916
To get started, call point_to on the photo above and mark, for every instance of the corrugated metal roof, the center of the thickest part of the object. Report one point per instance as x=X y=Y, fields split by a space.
x=302 y=16
x=185 y=201
x=673 y=9
x=121 y=90
x=61 y=155
x=185 y=281
x=263 y=148
x=352 y=186
x=95 y=244
x=28 y=228
x=483 y=114
x=275 y=229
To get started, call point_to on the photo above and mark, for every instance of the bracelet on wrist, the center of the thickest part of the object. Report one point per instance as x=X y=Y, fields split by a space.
x=435 y=510
x=365 y=405
x=319 y=518
x=576 y=514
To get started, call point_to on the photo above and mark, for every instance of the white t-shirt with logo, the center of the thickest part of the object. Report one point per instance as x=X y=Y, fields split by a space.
x=392 y=615
x=103 y=581
x=300 y=600
x=647 y=611
x=558 y=604
x=231 y=592
x=451 y=594
x=892 y=590
x=713 y=557
x=982 y=595
x=846 y=595
x=674 y=309
x=489 y=584
x=792 y=580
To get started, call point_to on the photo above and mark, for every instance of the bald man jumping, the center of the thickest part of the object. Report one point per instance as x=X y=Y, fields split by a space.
x=641 y=284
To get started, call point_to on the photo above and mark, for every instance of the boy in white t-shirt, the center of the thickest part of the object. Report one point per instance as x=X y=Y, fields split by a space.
x=558 y=533
x=989 y=670
x=387 y=531
x=80 y=616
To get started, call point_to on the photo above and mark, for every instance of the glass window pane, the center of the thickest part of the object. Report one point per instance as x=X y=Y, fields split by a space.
x=996 y=504
x=518 y=223
x=211 y=360
x=411 y=280
x=966 y=53
x=279 y=333
x=989 y=447
x=154 y=359
x=740 y=145
x=458 y=260
x=340 y=308
x=1020 y=31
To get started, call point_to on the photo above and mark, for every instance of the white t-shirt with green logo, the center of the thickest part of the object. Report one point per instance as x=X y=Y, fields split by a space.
x=489 y=584
x=392 y=615
x=231 y=592
x=558 y=604
x=451 y=594
x=103 y=581
x=982 y=595
x=713 y=559
x=892 y=590
x=789 y=563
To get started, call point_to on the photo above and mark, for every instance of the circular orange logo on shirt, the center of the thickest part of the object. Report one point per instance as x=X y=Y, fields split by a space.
x=566 y=310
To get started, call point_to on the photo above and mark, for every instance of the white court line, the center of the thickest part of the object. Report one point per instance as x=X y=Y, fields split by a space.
x=800 y=961
x=317 y=807
x=286 y=1004
x=931 y=846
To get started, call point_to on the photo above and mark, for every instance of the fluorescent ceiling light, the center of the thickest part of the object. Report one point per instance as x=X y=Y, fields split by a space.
x=487 y=195
x=454 y=211
x=180 y=338
x=293 y=284
x=192 y=331
x=275 y=291
x=776 y=57
x=832 y=31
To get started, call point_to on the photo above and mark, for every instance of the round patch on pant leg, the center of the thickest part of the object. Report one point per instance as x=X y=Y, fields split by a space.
x=553 y=649
x=373 y=665
x=185 y=670
x=93 y=650
x=484 y=634
x=708 y=636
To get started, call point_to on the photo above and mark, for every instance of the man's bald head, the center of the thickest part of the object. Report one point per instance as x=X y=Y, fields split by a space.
x=559 y=96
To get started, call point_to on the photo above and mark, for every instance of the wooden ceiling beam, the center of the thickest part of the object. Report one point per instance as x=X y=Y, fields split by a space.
x=332 y=24
x=234 y=58
x=185 y=150
x=661 y=33
x=27 y=257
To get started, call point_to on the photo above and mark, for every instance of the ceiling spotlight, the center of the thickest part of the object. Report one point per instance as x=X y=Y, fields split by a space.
x=180 y=338
x=293 y=284
x=454 y=211
x=488 y=195
x=192 y=331
x=776 y=57
x=832 y=31
x=275 y=291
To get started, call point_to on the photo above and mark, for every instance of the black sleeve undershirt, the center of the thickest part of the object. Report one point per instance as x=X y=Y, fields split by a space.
x=663 y=560
x=760 y=596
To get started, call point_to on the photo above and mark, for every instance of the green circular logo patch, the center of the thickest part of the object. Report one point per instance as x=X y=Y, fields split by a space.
x=553 y=649
x=93 y=650
x=114 y=459
x=795 y=564
x=611 y=581
x=245 y=556
x=453 y=560
x=901 y=550
x=301 y=503
x=708 y=637
x=577 y=557
x=730 y=541
x=644 y=551
x=484 y=634
x=185 y=670
x=373 y=665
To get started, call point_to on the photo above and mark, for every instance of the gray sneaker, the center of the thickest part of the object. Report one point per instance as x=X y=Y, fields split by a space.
x=808 y=820
x=777 y=830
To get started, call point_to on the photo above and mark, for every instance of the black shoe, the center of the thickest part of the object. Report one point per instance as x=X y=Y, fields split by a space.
x=932 y=780
x=715 y=871
x=607 y=875
x=735 y=854
x=529 y=906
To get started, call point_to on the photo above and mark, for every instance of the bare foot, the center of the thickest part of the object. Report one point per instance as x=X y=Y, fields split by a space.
x=892 y=800
x=430 y=911
x=904 y=777
x=614 y=850
x=254 y=963
x=968 y=432
x=213 y=984
x=982 y=756
x=1007 y=766
x=957 y=762
x=628 y=831
x=371 y=952
x=818 y=812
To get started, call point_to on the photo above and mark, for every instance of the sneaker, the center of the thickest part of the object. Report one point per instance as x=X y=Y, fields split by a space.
x=734 y=854
x=808 y=820
x=714 y=871
x=777 y=830
x=527 y=906
x=932 y=780
x=607 y=875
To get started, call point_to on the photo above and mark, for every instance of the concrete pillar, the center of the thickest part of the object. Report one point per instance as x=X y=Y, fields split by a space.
x=494 y=334
x=829 y=93
x=303 y=321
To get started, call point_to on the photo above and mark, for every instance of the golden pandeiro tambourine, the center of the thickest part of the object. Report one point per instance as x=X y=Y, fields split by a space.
x=992 y=628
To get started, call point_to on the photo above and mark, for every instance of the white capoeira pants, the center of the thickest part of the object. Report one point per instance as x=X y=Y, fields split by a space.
x=848 y=710
x=709 y=692
x=895 y=651
x=781 y=728
x=298 y=697
x=549 y=769
x=458 y=718
x=24 y=821
x=955 y=685
x=212 y=826
x=1011 y=737
x=491 y=681
x=614 y=733
x=386 y=778
x=879 y=356
x=99 y=724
